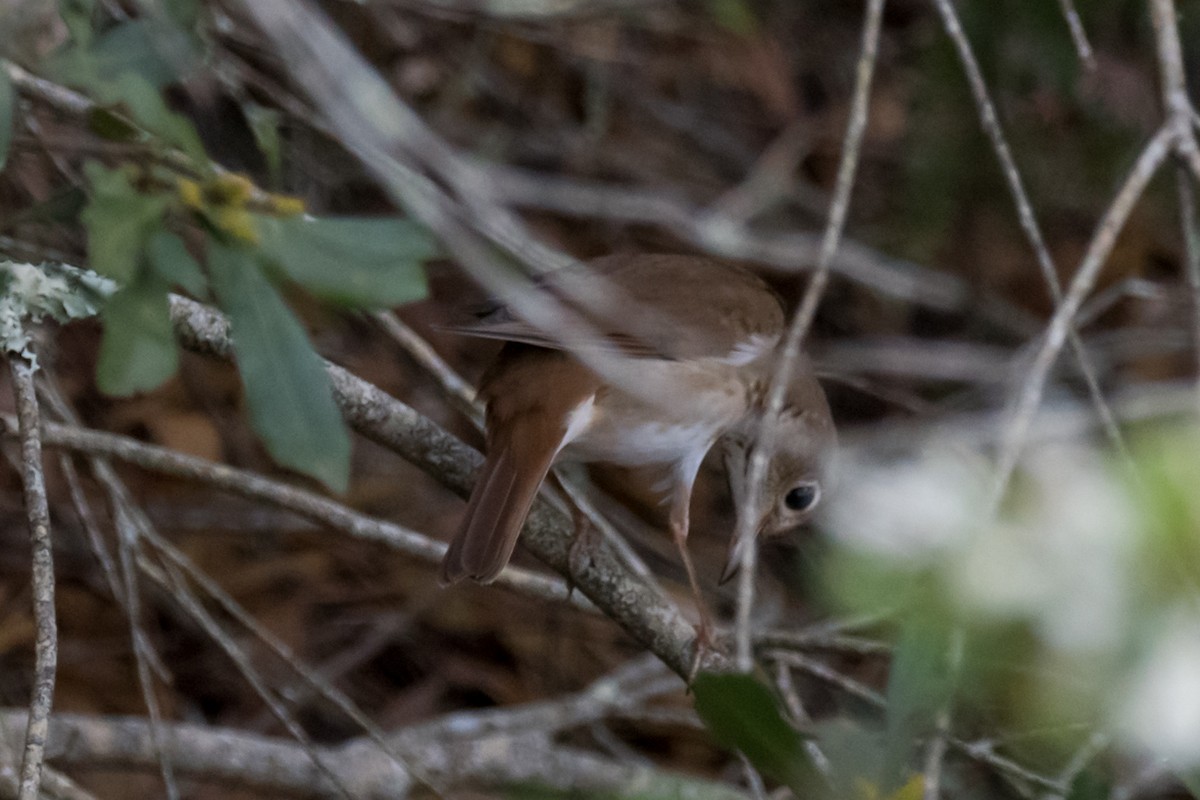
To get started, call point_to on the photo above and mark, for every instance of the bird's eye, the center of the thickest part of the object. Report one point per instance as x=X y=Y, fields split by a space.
x=802 y=497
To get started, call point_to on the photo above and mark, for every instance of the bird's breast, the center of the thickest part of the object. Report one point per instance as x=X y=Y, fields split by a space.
x=672 y=412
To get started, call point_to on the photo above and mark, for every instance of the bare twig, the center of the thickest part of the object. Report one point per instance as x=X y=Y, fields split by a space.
x=307 y=504
x=38 y=513
x=457 y=391
x=791 y=698
x=311 y=677
x=169 y=579
x=1176 y=103
x=1029 y=224
x=1180 y=113
x=981 y=752
x=720 y=235
x=1078 y=34
x=279 y=767
x=1191 y=249
x=1099 y=248
x=935 y=754
x=801 y=322
x=1094 y=746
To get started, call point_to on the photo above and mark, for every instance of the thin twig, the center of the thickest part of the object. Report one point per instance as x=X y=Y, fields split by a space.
x=457 y=391
x=1078 y=35
x=38 y=512
x=1029 y=224
x=307 y=504
x=311 y=677
x=124 y=582
x=1096 y=744
x=1176 y=102
x=983 y=753
x=128 y=545
x=935 y=754
x=791 y=699
x=170 y=580
x=1099 y=248
x=1191 y=249
x=801 y=322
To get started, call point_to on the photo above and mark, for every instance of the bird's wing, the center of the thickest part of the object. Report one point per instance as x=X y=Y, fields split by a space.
x=666 y=306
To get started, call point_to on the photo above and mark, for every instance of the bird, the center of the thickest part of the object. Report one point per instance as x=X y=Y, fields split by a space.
x=694 y=344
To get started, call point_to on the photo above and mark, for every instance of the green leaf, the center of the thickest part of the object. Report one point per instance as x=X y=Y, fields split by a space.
x=287 y=389
x=8 y=108
x=118 y=219
x=742 y=713
x=153 y=49
x=149 y=110
x=920 y=684
x=185 y=13
x=174 y=264
x=77 y=16
x=360 y=262
x=1190 y=779
x=138 y=352
x=734 y=15
x=108 y=124
x=264 y=124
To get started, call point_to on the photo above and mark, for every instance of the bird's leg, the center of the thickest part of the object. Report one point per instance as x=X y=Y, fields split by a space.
x=705 y=640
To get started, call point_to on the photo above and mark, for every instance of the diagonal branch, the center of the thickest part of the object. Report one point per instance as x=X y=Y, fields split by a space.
x=622 y=596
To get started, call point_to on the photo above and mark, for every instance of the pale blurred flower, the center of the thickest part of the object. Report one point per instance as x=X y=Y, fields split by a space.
x=913 y=510
x=1059 y=559
x=1062 y=559
x=1161 y=708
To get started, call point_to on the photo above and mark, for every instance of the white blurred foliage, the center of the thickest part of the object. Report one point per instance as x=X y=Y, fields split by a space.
x=913 y=510
x=1160 y=709
x=1060 y=559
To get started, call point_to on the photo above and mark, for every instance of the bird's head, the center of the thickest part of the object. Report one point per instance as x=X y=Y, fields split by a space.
x=799 y=454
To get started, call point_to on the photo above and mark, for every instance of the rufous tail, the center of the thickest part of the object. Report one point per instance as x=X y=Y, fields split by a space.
x=516 y=465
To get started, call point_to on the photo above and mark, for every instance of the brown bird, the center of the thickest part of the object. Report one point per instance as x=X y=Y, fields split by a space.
x=698 y=341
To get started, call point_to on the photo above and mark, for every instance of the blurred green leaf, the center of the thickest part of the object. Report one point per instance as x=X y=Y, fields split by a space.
x=77 y=16
x=919 y=686
x=264 y=124
x=743 y=714
x=287 y=389
x=362 y=262
x=1091 y=785
x=1165 y=491
x=119 y=219
x=150 y=111
x=63 y=205
x=158 y=52
x=1189 y=778
x=174 y=264
x=185 y=12
x=8 y=108
x=138 y=351
x=734 y=15
x=107 y=124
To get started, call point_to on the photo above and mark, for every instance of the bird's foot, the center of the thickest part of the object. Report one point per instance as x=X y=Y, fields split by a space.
x=703 y=645
x=579 y=555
